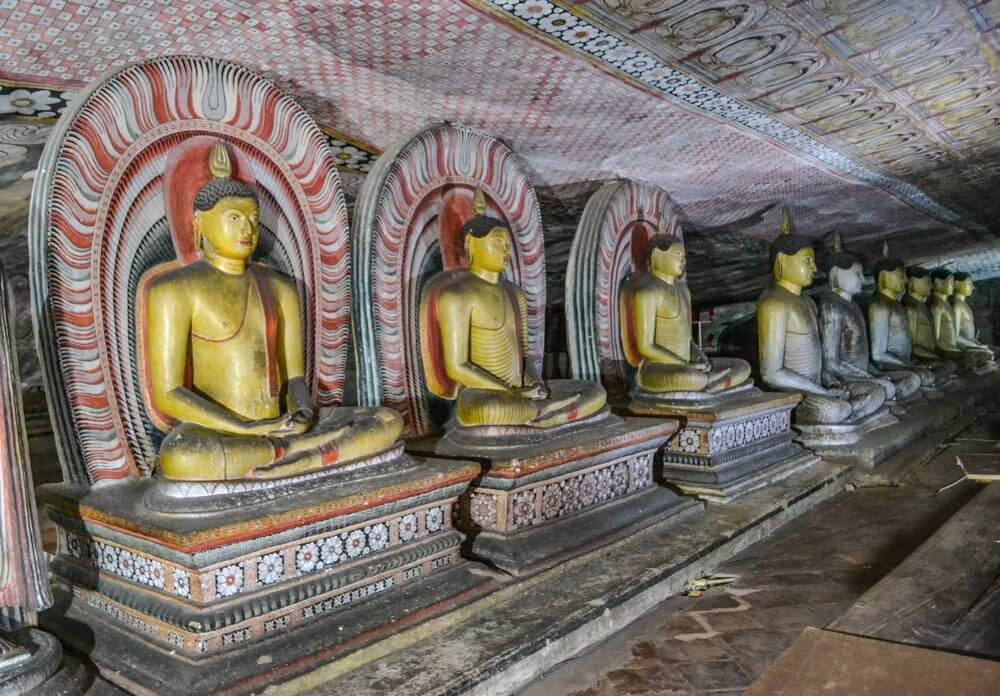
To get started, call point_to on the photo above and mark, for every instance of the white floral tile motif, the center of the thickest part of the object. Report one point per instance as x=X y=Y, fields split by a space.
x=483 y=510
x=689 y=440
x=552 y=502
x=181 y=583
x=331 y=550
x=378 y=536
x=271 y=569
x=126 y=564
x=523 y=509
x=307 y=557
x=408 y=527
x=642 y=471
x=434 y=519
x=229 y=580
x=356 y=543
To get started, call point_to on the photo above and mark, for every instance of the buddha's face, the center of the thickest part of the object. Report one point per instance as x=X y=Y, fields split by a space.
x=964 y=287
x=944 y=286
x=230 y=229
x=920 y=287
x=670 y=262
x=848 y=280
x=893 y=282
x=798 y=268
x=489 y=252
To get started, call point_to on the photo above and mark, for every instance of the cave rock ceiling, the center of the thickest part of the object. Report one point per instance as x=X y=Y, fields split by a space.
x=877 y=118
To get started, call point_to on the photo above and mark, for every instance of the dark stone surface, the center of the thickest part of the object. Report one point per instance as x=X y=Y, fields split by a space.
x=806 y=574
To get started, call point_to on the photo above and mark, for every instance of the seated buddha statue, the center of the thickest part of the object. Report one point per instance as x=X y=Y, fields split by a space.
x=891 y=347
x=943 y=321
x=965 y=322
x=473 y=334
x=223 y=360
x=844 y=335
x=920 y=324
x=791 y=354
x=655 y=311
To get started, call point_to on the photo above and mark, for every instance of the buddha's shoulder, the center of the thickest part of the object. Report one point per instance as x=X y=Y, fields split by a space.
x=166 y=276
x=279 y=281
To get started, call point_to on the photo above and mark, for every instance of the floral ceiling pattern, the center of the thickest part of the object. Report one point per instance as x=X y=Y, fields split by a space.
x=874 y=117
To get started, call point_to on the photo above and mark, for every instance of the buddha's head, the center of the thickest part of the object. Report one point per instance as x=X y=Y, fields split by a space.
x=963 y=285
x=792 y=257
x=918 y=282
x=486 y=239
x=666 y=257
x=226 y=212
x=845 y=272
x=943 y=281
x=890 y=274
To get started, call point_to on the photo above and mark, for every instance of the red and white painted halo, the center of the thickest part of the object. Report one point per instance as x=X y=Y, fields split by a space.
x=395 y=229
x=99 y=193
x=617 y=215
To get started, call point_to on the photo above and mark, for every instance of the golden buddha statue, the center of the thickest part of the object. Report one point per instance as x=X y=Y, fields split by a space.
x=891 y=347
x=223 y=360
x=943 y=321
x=965 y=322
x=791 y=354
x=846 y=354
x=920 y=324
x=655 y=311
x=474 y=340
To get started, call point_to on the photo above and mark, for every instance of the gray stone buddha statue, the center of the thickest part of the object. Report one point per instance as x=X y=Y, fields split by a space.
x=845 y=337
x=920 y=325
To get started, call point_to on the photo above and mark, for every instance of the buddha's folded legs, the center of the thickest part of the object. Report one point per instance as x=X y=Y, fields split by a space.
x=569 y=400
x=864 y=399
x=822 y=410
x=942 y=370
x=659 y=377
x=907 y=382
x=193 y=453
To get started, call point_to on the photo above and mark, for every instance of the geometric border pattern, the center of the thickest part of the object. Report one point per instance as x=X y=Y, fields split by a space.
x=632 y=64
x=269 y=567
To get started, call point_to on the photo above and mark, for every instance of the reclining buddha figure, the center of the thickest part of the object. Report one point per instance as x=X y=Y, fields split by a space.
x=791 y=355
x=474 y=341
x=943 y=318
x=655 y=311
x=965 y=322
x=223 y=358
x=920 y=326
x=891 y=347
x=844 y=335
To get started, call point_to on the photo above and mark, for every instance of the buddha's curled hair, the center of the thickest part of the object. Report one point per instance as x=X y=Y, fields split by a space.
x=480 y=226
x=788 y=244
x=661 y=241
x=940 y=274
x=916 y=272
x=215 y=190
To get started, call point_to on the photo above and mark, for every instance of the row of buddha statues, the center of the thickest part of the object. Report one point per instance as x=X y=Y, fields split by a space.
x=224 y=348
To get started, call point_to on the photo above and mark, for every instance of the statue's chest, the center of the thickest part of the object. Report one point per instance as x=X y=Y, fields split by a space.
x=228 y=312
x=492 y=311
x=802 y=319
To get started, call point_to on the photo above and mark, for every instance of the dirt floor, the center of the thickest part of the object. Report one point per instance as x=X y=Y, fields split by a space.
x=806 y=574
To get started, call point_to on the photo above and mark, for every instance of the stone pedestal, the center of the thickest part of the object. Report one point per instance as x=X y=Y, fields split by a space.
x=32 y=662
x=549 y=495
x=230 y=592
x=727 y=447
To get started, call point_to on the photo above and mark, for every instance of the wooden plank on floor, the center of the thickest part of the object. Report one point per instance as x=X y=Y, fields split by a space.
x=827 y=663
x=942 y=595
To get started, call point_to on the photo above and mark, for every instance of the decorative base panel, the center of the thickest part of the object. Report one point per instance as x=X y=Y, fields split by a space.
x=734 y=447
x=538 y=504
x=199 y=585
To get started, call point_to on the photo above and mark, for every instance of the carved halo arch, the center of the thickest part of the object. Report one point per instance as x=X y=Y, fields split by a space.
x=407 y=217
x=98 y=221
x=609 y=244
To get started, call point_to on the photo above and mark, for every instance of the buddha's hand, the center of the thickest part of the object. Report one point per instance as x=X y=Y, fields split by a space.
x=839 y=394
x=282 y=425
x=534 y=392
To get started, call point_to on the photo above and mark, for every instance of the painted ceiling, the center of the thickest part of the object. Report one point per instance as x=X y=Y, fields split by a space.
x=877 y=118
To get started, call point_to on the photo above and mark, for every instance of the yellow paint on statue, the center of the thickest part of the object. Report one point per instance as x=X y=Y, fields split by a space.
x=655 y=310
x=223 y=357
x=479 y=320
